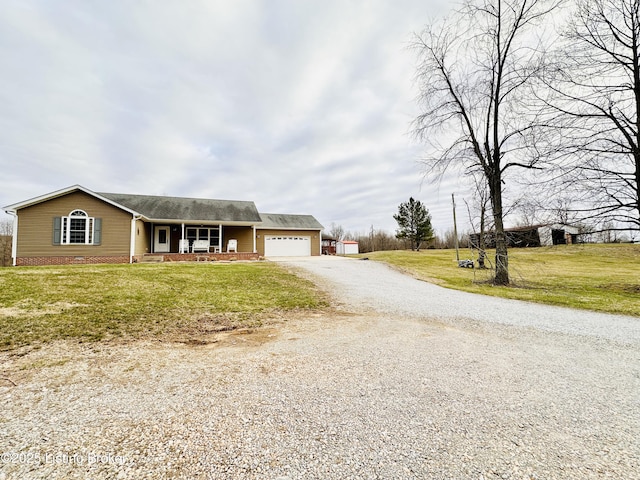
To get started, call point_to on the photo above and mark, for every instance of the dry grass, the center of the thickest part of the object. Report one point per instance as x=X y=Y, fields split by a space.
x=186 y=300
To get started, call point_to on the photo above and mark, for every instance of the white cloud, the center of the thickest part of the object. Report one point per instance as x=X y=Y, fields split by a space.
x=303 y=107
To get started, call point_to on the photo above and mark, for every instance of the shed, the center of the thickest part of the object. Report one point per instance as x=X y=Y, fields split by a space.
x=558 y=234
x=532 y=236
x=347 y=247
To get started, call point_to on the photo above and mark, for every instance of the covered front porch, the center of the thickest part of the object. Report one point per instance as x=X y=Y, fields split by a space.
x=197 y=257
x=188 y=240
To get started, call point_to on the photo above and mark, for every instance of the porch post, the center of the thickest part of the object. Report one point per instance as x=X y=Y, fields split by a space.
x=254 y=239
x=182 y=239
x=220 y=242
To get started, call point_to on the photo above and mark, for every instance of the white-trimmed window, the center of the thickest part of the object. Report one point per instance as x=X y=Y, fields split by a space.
x=77 y=228
x=204 y=233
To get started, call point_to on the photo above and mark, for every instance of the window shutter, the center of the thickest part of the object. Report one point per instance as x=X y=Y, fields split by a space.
x=97 y=231
x=57 y=230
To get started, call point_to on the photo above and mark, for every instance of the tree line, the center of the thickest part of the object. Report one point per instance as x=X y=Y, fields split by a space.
x=6 y=235
x=376 y=240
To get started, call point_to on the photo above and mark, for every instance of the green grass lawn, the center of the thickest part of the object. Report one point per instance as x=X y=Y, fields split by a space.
x=603 y=278
x=94 y=302
x=189 y=300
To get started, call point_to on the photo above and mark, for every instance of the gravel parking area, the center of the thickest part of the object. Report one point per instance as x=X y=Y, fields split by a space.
x=403 y=380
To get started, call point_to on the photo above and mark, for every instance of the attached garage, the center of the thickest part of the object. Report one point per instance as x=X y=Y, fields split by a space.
x=287 y=246
x=281 y=235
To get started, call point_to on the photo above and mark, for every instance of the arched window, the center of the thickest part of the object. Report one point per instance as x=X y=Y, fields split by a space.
x=77 y=228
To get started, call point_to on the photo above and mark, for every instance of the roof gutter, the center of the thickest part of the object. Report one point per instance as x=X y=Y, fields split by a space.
x=191 y=223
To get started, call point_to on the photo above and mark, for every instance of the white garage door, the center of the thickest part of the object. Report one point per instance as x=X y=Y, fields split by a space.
x=287 y=246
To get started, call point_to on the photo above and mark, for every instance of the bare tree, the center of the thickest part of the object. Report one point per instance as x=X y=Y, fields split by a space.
x=448 y=239
x=472 y=71
x=528 y=212
x=6 y=232
x=555 y=208
x=478 y=216
x=595 y=80
x=377 y=240
x=336 y=231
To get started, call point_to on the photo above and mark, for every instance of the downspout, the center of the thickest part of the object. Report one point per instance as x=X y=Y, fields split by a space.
x=14 y=237
x=132 y=243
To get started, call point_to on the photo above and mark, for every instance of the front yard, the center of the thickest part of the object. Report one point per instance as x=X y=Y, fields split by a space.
x=191 y=301
x=180 y=300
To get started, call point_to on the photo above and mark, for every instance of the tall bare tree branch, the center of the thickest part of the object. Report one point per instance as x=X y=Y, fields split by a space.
x=473 y=68
x=594 y=81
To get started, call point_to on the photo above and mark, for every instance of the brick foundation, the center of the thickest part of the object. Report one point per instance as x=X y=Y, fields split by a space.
x=68 y=260
x=166 y=257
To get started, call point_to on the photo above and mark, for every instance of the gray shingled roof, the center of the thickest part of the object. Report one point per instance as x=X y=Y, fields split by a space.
x=188 y=209
x=279 y=221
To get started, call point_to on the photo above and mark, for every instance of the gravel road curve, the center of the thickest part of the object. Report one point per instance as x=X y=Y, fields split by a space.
x=405 y=380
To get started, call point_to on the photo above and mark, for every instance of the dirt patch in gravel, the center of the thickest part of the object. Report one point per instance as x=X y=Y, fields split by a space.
x=224 y=331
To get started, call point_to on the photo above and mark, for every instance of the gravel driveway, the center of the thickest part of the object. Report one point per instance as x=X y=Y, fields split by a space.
x=373 y=286
x=404 y=380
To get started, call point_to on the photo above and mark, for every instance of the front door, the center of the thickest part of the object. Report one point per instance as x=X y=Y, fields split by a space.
x=161 y=243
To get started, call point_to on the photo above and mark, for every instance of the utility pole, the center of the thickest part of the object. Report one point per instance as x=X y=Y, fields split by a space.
x=373 y=247
x=455 y=227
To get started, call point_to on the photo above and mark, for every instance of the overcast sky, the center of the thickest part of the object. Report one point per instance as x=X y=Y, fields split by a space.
x=303 y=106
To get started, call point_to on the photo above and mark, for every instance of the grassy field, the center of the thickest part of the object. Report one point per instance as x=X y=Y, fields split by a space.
x=94 y=302
x=191 y=300
x=603 y=278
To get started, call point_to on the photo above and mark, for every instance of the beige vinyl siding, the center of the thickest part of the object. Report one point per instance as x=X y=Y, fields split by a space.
x=244 y=235
x=141 y=238
x=35 y=227
x=314 y=234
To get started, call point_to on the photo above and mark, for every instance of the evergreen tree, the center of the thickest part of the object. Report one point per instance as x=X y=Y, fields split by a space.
x=414 y=223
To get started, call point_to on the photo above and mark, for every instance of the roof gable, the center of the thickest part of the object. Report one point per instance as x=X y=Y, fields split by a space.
x=188 y=209
x=278 y=221
x=60 y=193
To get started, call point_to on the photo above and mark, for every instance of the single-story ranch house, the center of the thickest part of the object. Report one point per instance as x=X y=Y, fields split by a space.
x=76 y=225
